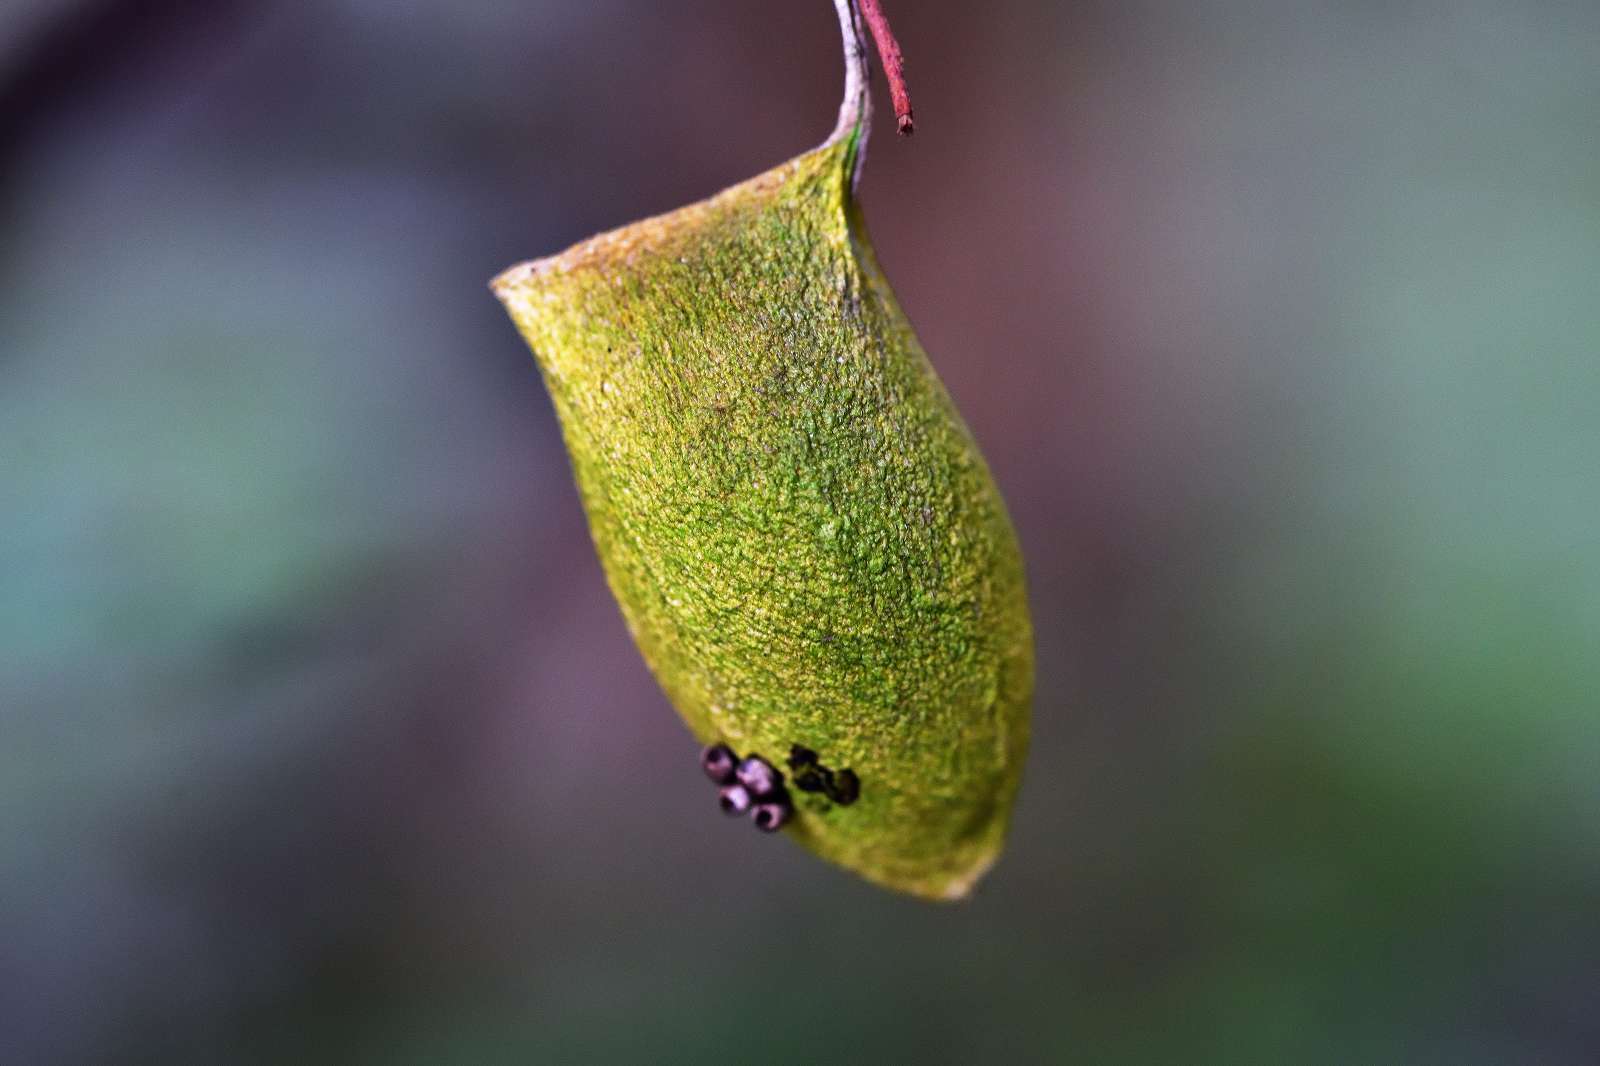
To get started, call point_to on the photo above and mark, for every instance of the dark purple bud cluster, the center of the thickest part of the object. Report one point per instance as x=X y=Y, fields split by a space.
x=842 y=787
x=748 y=786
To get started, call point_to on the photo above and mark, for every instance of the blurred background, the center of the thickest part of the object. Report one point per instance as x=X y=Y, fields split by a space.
x=321 y=739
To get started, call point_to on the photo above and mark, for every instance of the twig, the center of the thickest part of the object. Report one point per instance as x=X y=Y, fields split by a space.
x=894 y=63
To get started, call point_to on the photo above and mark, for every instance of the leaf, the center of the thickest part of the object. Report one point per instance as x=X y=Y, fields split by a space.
x=802 y=535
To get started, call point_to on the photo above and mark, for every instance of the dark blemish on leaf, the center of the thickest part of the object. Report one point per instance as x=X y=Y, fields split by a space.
x=846 y=788
x=842 y=787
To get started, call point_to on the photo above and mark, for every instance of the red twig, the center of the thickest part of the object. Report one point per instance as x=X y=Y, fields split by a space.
x=894 y=64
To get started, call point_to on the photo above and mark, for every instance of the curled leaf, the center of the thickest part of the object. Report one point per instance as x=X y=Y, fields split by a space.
x=805 y=542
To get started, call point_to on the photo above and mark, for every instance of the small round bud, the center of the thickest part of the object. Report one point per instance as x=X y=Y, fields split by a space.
x=770 y=816
x=757 y=774
x=734 y=799
x=719 y=763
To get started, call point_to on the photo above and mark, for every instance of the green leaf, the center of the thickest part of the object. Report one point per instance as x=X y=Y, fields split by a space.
x=805 y=542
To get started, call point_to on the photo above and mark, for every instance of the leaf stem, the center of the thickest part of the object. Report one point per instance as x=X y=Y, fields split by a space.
x=856 y=108
x=855 y=112
x=894 y=64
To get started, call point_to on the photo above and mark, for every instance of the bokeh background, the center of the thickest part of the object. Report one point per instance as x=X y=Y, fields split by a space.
x=321 y=739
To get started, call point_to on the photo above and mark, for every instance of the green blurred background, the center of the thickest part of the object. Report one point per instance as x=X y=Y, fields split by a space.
x=321 y=739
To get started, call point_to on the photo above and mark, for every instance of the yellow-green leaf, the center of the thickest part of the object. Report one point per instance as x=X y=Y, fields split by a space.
x=803 y=537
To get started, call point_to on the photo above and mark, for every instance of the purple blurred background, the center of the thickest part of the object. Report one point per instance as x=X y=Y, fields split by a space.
x=321 y=738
